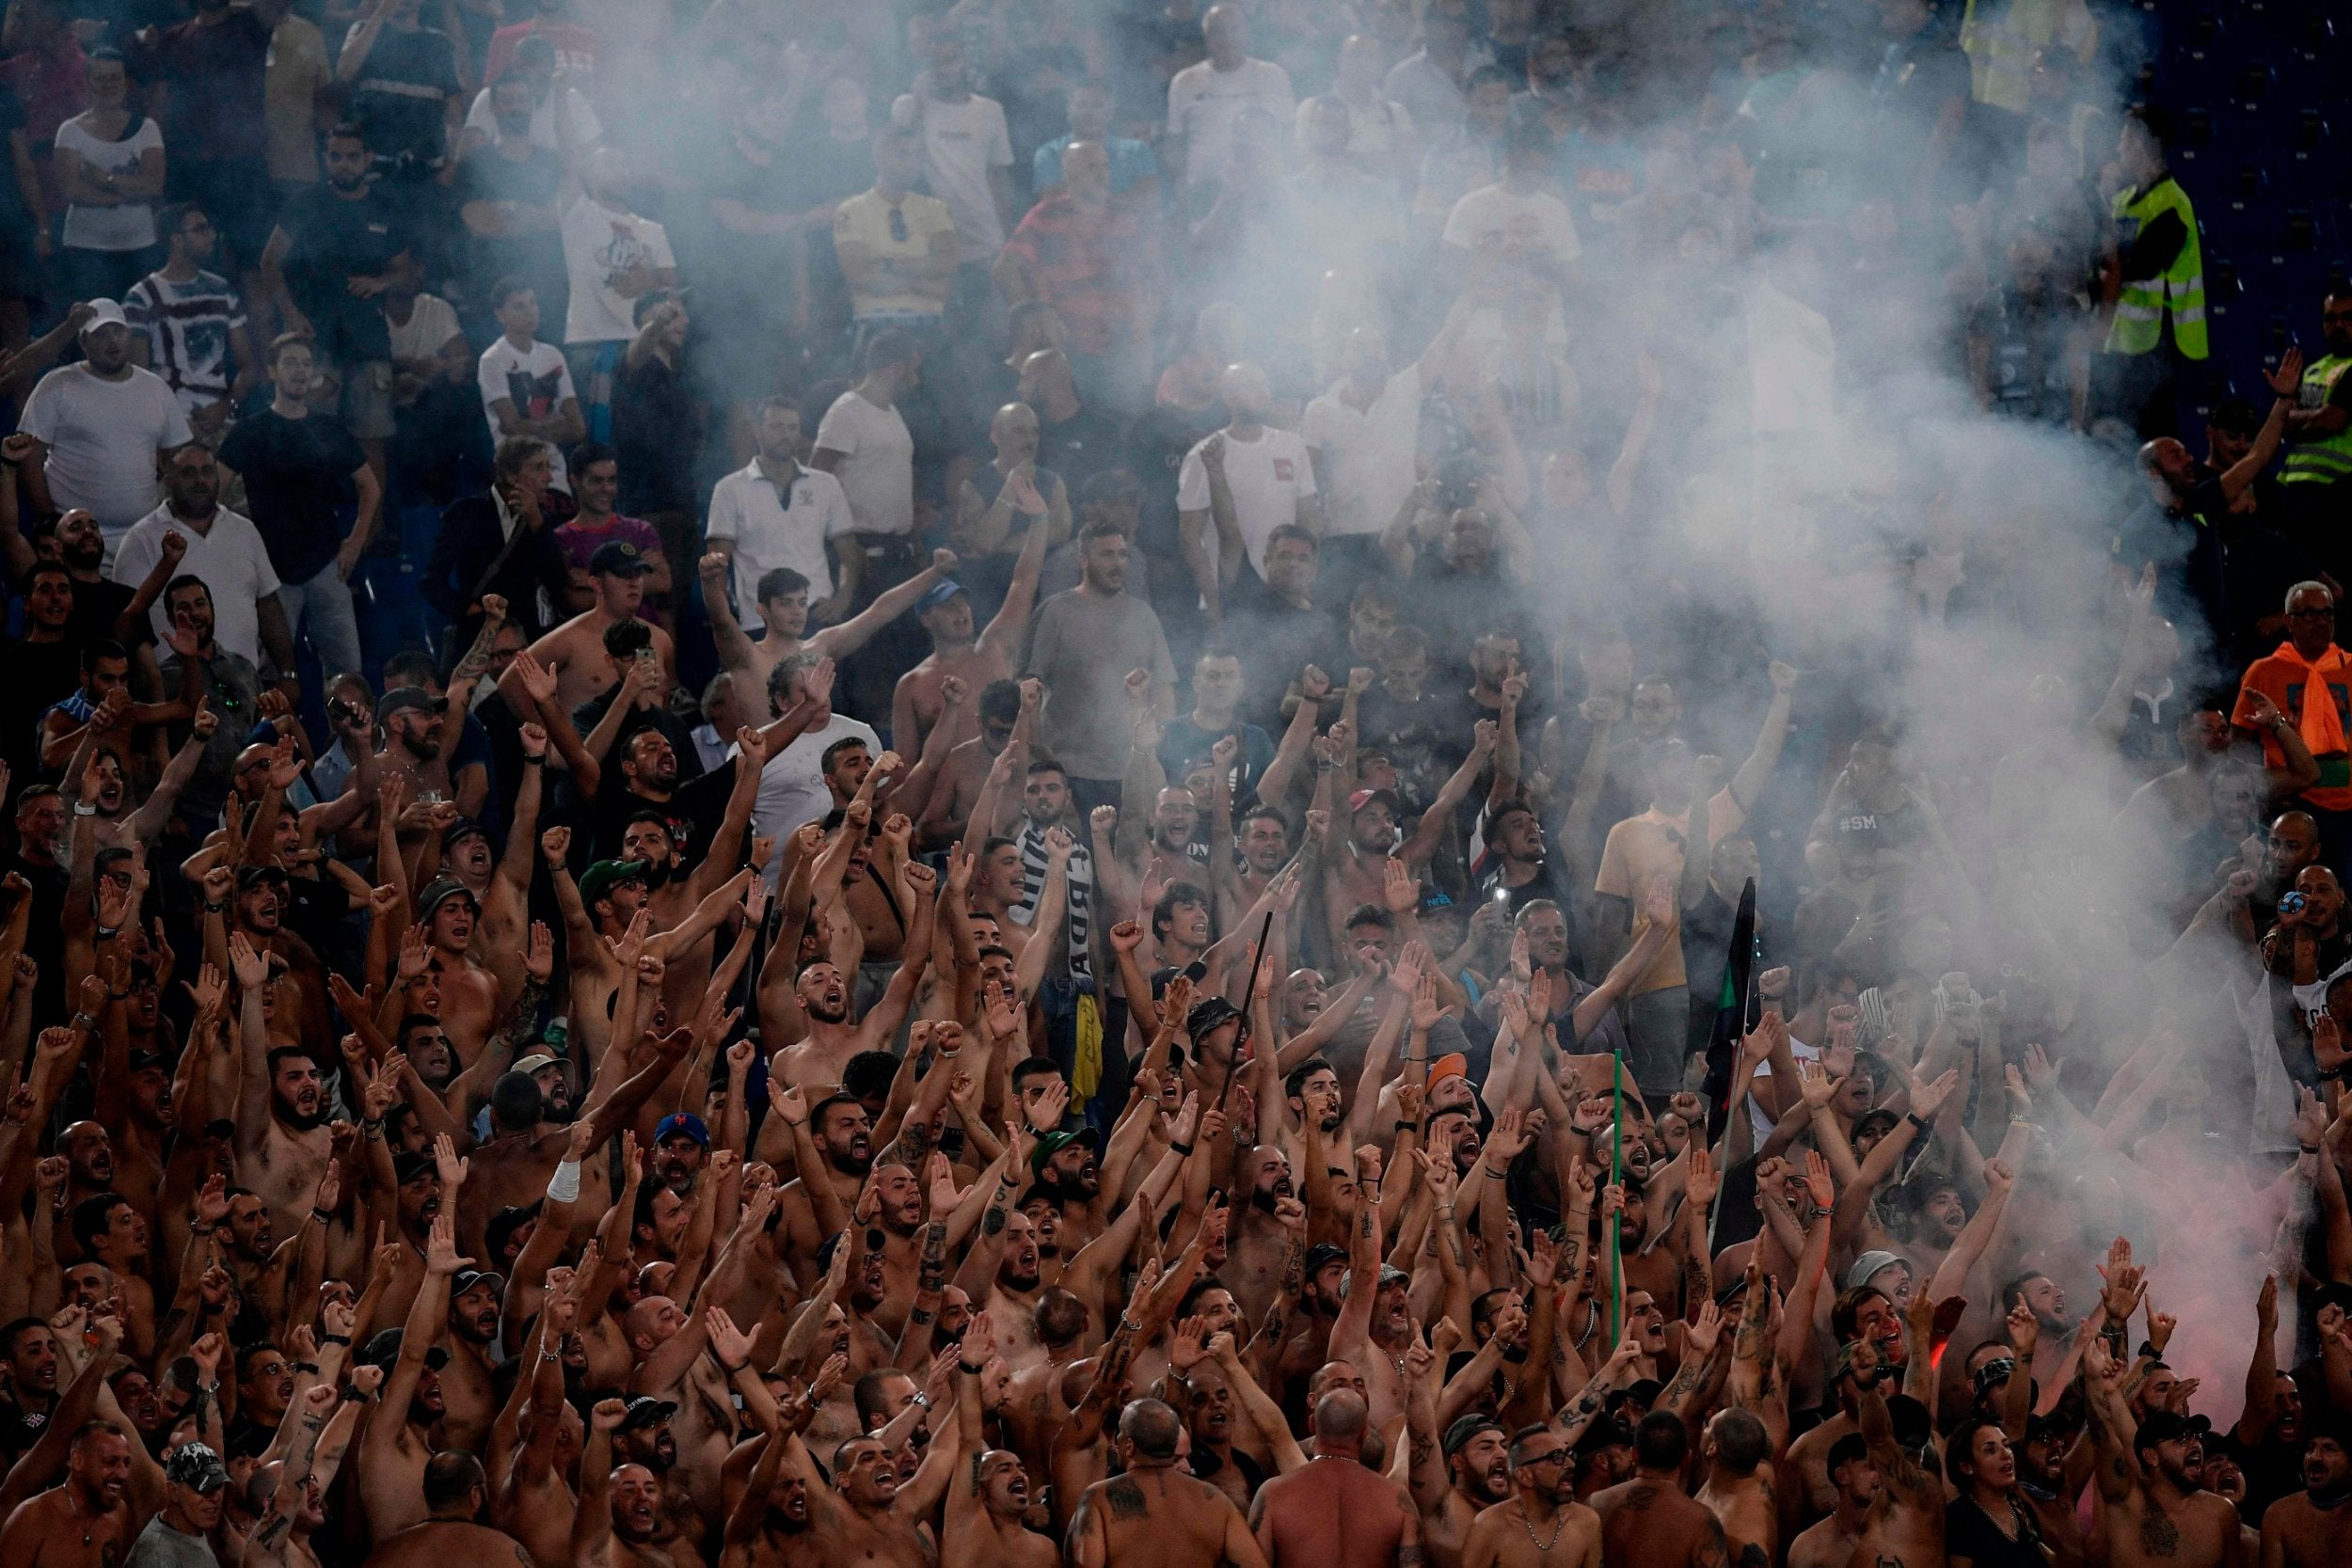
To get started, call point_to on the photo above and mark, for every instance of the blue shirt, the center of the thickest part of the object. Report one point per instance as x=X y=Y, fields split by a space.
x=1132 y=161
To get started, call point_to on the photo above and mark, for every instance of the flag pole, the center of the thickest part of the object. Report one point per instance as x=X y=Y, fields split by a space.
x=1617 y=1219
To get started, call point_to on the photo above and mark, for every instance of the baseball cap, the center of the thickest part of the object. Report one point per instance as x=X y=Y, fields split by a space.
x=646 y=1411
x=1868 y=1264
x=533 y=1062
x=1206 y=1014
x=466 y=1280
x=142 y=1060
x=383 y=1348
x=462 y=827
x=1458 y=1435
x=618 y=557
x=682 y=1122
x=194 y=1465
x=599 y=879
x=1053 y=1143
x=2159 y=1426
x=938 y=594
x=105 y=312
x=248 y=875
x=1322 y=1256
x=439 y=890
x=408 y=1164
x=1363 y=798
x=401 y=697
x=1452 y=1064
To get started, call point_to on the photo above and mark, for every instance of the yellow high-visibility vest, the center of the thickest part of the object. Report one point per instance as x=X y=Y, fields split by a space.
x=2139 y=309
x=2321 y=459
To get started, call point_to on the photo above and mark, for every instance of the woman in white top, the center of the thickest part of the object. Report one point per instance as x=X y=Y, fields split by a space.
x=110 y=165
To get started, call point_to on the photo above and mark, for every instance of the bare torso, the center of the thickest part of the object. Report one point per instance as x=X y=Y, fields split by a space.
x=1333 y=1512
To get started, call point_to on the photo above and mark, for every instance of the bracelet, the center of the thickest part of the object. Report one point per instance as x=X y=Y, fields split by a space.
x=1498 y=1176
x=374 y=1130
x=85 y=1022
x=970 y=1371
x=2148 y=1351
x=334 y=1338
x=1408 y=1126
x=546 y=1355
x=306 y=1366
x=210 y=908
x=83 y=808
x=212 y=1388
x=539 y=761
x=1913 y=1117
x=1817 y=1211
x=107 y=933
x=1130 y=1324
x=351 y=1394
x=1181 y=1148
x=323 y=1218
x=2308 y=1149
x=921 y=1400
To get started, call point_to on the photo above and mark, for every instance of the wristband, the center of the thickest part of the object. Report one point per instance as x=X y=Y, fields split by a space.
x=1913 y=1117
x=1408 y=1126
x=1181 y=1148
x=539 y=761
x=306 y=1366
x=334 y=1338
x=2148 y=1351
x=351 y=1394
x=323 y=1218
x=564 y=1186
x=970 y=1371
x=2308 y=1149
x=1817 y=1211
x=210 y=908
x=85 y=1022
x=83 y=808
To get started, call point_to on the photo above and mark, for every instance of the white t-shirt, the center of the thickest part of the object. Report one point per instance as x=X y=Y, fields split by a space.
x=793 y=788
x=103 y=438
x=962 y=142
x=587 y=130
x=1368 y=457
x=769 y=530
x=431 y=322
x=1536 y=221
x=879 y=473
x=1267 y=477
x=538 y=379
x=600 y=243
x=229 y=555
x=130 y=226
x=1204 y=102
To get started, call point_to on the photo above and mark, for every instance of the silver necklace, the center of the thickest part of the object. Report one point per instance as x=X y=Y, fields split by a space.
x=1559 y=1522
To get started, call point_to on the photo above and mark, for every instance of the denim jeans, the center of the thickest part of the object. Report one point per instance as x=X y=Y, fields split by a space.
x=322 y=609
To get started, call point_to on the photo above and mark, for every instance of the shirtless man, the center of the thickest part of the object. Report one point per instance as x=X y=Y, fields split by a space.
x=575 y=650
x=453 y=1491
x=1738 y=1486
x=86 y=1521
x=1544 y=1525
x=1648 y=1522
x=1856 y=1369
x=283 y=1142
x=2312 y=1529
x=1335 y=1510
x=291 y=1492
x=868 y=1515
x=816 y=1060
x=953 y=797
x=473 y=999
x=1376 y=1326
x=1473 y=1476
x=396 y=1449
x=2159 y=1514
x=1155 y=1515
x=1831 y=1543
x=609 y=927
x=917 y=702
x=783 y=612
x=991 y=1490
x=619 y=1522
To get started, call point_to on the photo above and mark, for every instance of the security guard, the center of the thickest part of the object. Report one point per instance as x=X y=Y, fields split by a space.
x=2155 y=269
x=2320 y=462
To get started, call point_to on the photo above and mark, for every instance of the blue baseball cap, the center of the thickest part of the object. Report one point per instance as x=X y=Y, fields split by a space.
x=682 y=1122
x=938 y=594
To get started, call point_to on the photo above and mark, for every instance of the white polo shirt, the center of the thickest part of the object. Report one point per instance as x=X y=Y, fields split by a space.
x=772 y=528
x=1367 y=457
x=230 y=557
x=1204 y=102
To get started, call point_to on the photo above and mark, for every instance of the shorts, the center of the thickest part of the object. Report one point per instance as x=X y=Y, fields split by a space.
x=367 y=399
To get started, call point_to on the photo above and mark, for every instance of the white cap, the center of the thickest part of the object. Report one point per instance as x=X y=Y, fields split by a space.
x=103 y=312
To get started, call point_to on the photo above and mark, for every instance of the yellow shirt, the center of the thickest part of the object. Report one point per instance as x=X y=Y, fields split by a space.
x=863 y=220
x=1642 y=847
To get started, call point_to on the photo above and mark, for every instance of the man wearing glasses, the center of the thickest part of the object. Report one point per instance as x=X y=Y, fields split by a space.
x=188 y=326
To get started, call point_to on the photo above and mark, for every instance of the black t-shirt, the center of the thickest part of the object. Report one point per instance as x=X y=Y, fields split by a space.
x=692 y=814
x=96 y=606
x=297 y=480
x=654 y=431
x=400 y=90
x=21 y=1427
x=1092 y=440
x=535 y=255
x=39 y=673
x=336 y=239
x=1969 y=1533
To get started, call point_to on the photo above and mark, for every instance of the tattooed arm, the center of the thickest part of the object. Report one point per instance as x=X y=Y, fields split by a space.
x=931 y=1289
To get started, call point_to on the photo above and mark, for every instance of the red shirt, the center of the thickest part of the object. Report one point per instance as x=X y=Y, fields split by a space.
x=1099 y=271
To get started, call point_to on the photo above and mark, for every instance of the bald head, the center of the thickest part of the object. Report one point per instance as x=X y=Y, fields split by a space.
x=1152 y=1427
x=1340 y=1418
x=1246 y=392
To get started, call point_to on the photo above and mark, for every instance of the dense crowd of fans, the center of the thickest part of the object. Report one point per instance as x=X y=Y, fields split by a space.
x=802 y=784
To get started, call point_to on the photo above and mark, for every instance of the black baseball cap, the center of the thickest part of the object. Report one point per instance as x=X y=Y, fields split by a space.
x=618 y=557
